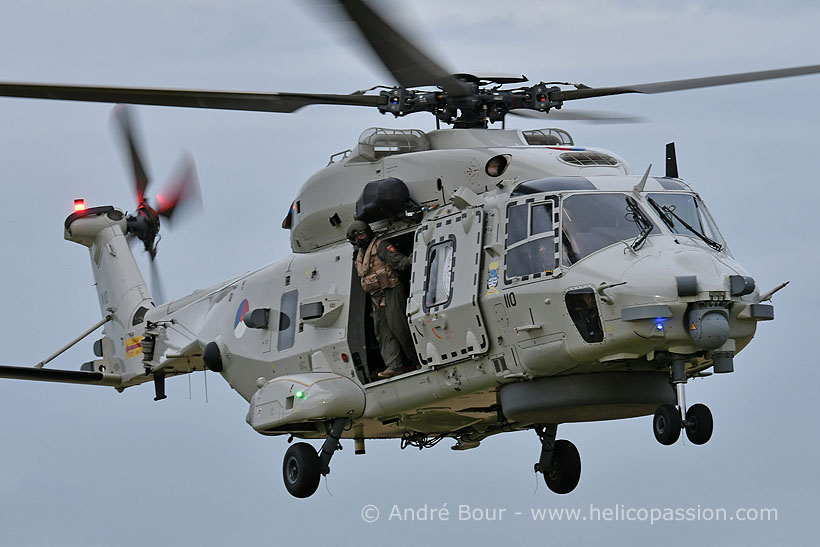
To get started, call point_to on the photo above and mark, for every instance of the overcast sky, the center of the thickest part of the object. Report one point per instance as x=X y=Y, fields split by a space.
x=85 y=466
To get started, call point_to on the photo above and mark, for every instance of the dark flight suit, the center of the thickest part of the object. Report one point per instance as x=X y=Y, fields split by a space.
x=389 y=317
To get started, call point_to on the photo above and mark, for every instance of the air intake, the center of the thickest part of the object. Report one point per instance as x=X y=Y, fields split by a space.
x=587 y=159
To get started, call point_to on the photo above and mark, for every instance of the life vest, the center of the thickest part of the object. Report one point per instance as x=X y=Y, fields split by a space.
x=374 y=273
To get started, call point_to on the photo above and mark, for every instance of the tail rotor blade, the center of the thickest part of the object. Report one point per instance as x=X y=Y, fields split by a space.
x=122 y=115
x=182 y=193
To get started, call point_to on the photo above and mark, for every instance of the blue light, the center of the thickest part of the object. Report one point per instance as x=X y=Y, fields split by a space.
x=659 y=321
x=659 y=326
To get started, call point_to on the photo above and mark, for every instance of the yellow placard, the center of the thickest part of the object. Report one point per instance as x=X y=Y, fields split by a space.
x=133 y=347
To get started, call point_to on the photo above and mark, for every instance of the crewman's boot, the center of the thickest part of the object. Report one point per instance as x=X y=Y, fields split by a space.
x=391 y=371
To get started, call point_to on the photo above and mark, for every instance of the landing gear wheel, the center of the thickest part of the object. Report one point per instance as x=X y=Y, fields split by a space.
x=699 y=424
x=301 y=470
x=666 y=425
x=566 y=468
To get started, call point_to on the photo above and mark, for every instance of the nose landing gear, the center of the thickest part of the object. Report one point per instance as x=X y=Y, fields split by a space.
x=670 y=419
x=667 y=424
x=560 y=462
x=699 y=424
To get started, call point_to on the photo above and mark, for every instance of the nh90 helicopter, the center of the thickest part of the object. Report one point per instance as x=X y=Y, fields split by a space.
x=549 y=284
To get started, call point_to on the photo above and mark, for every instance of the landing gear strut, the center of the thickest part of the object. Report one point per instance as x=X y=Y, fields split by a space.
x=670 y=419
x=560 y=462
x=303 y=467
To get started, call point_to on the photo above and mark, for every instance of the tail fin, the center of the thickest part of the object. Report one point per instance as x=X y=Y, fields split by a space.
x=121 y=288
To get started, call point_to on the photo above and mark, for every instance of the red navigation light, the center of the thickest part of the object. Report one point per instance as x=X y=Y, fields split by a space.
x=79 y=205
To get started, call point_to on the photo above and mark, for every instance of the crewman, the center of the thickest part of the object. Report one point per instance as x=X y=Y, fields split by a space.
x=378 y=263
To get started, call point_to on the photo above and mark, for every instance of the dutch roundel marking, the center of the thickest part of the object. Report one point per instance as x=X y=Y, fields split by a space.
x=239 y=325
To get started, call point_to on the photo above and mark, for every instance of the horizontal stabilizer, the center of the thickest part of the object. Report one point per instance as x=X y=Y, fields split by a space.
x=60 y=376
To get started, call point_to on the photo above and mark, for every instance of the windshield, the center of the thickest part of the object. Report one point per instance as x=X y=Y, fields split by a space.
x=594 y=221
x=686 y=215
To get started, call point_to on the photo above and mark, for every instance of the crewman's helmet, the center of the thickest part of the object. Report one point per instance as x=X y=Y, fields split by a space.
x=356 y=229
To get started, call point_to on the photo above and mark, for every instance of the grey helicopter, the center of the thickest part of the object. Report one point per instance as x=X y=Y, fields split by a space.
x=549 y=282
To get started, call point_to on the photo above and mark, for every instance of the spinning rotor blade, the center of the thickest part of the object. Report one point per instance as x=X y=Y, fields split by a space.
x=189 y=98
x=405 y=61
x=60 y=376
x=122 y=115
x=590 y=116
x=183 y=190
x=691 y=83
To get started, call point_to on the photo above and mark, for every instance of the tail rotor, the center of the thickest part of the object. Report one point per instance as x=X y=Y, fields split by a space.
x=181 y=193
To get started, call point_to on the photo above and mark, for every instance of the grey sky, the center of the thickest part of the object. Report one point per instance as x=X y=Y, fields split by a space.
x=86 y=466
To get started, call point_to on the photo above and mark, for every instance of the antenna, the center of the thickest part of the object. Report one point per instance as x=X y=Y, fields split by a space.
x=671 y=161
x=640 y=186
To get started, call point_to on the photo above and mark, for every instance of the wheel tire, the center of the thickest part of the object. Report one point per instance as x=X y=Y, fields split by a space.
x=300 y=470
x=566 y=468
x=699 y=424
x=666 y=424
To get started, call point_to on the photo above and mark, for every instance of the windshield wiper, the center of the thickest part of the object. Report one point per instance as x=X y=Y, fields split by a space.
x=664 y=217
x=639 y=218
x=666 y=211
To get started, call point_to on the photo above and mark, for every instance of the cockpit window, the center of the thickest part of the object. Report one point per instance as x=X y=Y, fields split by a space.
x=531 y=242
x=594 y=221
x=686 y=215
x=541 y=218
x=517 y=223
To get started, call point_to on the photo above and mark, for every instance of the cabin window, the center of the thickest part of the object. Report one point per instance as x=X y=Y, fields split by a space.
x=583 y=309
x=287 y=320
x=531 y=246
x=439 y=284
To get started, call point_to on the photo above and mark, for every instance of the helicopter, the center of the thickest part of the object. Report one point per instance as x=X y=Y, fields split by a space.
x=509 y=355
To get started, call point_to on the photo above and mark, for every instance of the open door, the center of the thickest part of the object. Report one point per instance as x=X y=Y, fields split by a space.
x=445 y=319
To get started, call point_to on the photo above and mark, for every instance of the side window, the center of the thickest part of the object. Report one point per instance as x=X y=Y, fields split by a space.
x=438 y=287
x=531 y=246
x=516 y=223
x=287 y=320
x=541 y=218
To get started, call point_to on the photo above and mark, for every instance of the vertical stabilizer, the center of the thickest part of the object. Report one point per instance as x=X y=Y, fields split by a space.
x=121 y=289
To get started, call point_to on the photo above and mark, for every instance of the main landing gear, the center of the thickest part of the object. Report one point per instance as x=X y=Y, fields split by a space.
x=303 y=467
x=670 y=419
x=560 y=462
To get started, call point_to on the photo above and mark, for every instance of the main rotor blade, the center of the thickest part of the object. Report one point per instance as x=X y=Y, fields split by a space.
x=591 y=116
x=406 y=62
x=61 y=376
x=189 y=98
x=123 y=116
x=691 y=83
